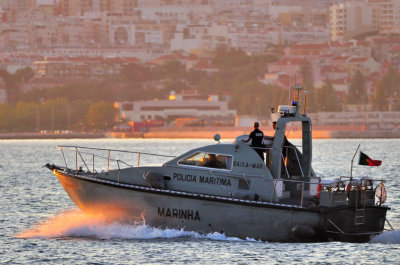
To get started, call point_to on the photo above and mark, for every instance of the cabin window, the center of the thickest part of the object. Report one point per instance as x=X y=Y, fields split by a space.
x=209 y=160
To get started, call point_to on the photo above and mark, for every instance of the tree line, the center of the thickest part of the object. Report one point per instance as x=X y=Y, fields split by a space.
x=57 y=114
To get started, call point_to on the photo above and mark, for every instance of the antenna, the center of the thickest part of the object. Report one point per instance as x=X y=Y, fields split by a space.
x=351 y=168
x=305 y=101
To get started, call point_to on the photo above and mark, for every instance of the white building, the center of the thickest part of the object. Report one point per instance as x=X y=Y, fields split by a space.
x=193 y=37
x=176 y=108
x=348 y=19
x=388 y=16
x=175 y=13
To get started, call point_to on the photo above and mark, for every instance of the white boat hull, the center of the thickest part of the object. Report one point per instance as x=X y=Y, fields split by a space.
x=237 y=218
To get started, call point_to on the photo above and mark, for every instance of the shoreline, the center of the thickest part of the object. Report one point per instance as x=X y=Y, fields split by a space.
x=206 y=133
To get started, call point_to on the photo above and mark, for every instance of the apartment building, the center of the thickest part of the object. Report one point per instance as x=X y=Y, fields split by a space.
x=387 y=15
x=350 y=18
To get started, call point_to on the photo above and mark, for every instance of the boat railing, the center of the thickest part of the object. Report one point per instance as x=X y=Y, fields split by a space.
x=283 y=157
x=343 y=185
x=82 y=150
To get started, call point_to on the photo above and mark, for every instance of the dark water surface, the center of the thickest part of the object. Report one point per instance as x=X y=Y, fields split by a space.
x=40 y=225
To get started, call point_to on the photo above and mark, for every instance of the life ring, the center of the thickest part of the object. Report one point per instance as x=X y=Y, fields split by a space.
x=348 y=188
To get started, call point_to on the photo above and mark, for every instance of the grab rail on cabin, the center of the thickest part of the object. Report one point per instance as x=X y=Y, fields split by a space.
x=335 y=186
x=283 y=158
x=79 y=151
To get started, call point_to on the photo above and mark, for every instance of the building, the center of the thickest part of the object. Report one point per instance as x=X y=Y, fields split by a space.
x=178 y=106
x=351 y=18
x=387 y=16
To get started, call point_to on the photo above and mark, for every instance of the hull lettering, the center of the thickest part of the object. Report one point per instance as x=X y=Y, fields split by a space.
x=184 y=214
x=215 y=181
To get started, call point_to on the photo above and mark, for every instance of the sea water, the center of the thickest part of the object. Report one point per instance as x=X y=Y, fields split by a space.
x=40 y=225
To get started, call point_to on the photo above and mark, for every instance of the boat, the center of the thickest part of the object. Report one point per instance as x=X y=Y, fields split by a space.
x=228 y=188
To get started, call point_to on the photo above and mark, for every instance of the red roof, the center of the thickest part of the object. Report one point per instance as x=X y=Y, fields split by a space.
x=341 y=58
x=192 y=57
x=167 y=57
x=180 y=56
x=363 y=43
x=290 y=61
x=114 y=59
x=55 y=59
x=311 y=46
x=204 y=64
x=386 y=41
x=131 y=59
x=331 y=69
x=386 y=64
x=84 y=59
x=395 y=48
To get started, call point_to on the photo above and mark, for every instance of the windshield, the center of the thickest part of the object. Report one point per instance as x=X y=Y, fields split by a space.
x=210 y=160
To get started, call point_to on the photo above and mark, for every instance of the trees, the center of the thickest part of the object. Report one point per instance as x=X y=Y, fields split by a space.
x=102 y=115
x=25 y=116
x=357 y=93
x=326 y=97
x=56 y=114
x=253 y=97
x=227 y=59
x=7 y=117
x=380 y=97
x=136 y=72
x=387 y=90
x=306 y=72
x=13 y=82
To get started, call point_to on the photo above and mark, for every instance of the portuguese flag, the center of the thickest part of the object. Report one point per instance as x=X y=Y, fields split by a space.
x=367 y=161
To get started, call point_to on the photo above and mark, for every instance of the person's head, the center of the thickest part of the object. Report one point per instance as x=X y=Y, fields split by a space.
x=274 y=125
x=212 y=156
x=256 y=125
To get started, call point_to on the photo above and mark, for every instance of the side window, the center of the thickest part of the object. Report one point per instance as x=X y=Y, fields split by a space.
x=209 y=160
x=195 y=159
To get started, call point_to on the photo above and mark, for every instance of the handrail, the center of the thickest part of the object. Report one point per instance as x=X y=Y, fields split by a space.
x=114 y=150
x=108 y=158
x=364 y=177
x=285 y=146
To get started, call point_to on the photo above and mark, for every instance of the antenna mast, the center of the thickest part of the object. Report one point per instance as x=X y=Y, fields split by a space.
x=351 y=168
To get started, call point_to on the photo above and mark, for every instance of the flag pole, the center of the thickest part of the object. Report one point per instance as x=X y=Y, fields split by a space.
x=351 y=168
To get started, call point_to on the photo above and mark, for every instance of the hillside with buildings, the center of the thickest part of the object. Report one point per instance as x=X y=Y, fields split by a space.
x=191 y=63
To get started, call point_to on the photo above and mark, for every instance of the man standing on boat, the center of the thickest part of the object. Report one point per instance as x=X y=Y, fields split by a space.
x=257 y=137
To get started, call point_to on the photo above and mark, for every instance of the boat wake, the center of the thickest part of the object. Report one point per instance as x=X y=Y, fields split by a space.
x=76 y=224
x=390 y=237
